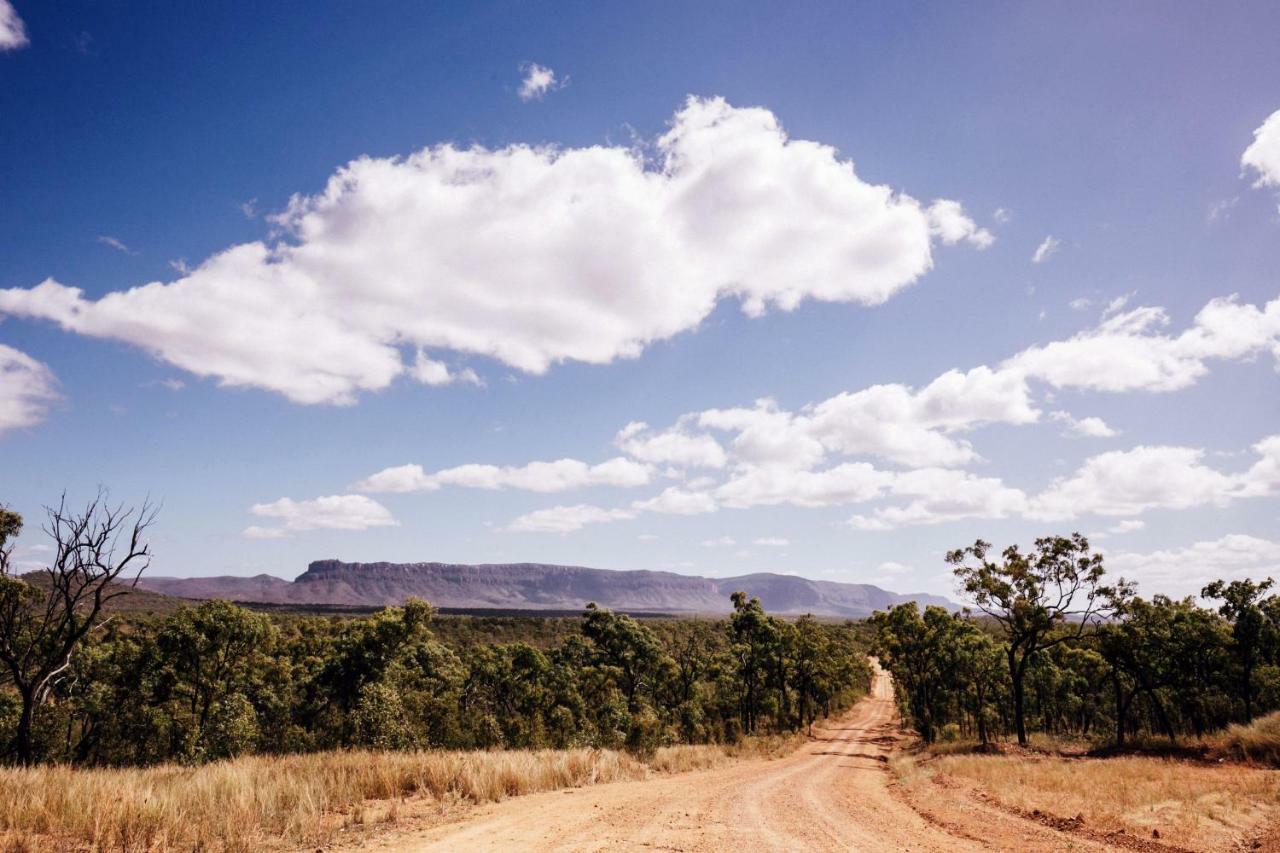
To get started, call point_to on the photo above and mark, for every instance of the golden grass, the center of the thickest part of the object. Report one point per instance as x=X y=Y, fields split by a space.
x=1258 y=741
x=1194 y=805
x=257 y=802
x=681 y=759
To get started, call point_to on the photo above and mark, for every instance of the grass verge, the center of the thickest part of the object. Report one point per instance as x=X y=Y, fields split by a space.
x=1196 y=805
x=256 y=802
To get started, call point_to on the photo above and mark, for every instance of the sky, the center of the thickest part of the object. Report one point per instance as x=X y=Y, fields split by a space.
x=711 y=288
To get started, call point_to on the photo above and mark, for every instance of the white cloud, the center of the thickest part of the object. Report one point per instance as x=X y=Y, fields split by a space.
x=721 y=542
x=941 y=495
x=1127 y=350
x=951 y=224
x=27 y=388
x=1080 y=304
x=771 y=542
x=912 y=427
x=770 y=456
x=674 y=446
x=676 y=501
x=1221 y=210
x=1002 y=215
x=115 y=243
x=566 y=519
x=1263 y=155
x=891 y=569
x=530 y=256
x=851 y=482
x=1047 y=249
x=1129 y=525
x=431 y=372
x=538 y=80
x=1090 y=427
x=1129 y=482
x=13 y=34
x=556 y=476
x=1185 y=571
x=333 y=512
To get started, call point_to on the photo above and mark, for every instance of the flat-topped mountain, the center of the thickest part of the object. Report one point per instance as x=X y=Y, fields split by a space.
x=537 y=586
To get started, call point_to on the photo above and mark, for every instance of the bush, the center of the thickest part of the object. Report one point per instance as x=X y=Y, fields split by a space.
x=1258 y=741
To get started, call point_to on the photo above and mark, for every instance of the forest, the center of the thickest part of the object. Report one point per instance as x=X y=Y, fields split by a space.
x=87 y=684
x=1051 y=646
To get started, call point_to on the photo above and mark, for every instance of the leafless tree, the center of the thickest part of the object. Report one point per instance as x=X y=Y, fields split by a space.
x=99 y=553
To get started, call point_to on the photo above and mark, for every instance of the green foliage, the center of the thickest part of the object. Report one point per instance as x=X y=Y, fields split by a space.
x=216 y=680
x=1056 y=650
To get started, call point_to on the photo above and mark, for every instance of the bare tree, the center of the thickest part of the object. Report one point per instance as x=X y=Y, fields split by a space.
x=99 y=553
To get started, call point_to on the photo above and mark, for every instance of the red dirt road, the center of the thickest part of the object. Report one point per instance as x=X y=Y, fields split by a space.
x=835 y=793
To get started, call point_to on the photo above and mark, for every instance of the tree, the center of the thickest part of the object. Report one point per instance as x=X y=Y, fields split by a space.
x=44 y=620
x=1242 y=606
x=212 y=651
x=755 y=636
x=1030 y=596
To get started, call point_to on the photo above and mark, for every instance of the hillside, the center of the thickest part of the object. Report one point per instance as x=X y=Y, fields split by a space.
x=138 y=599
x=537 y=586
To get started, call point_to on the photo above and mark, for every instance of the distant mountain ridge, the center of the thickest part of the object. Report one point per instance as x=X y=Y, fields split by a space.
x=539 y=586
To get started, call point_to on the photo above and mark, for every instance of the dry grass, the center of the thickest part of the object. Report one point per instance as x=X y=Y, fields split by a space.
x=1259 y=741
x=1200 y=806
x=681 y=759
x=257 y=802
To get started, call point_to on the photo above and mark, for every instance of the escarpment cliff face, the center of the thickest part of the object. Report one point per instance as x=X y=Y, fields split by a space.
x=538 y=586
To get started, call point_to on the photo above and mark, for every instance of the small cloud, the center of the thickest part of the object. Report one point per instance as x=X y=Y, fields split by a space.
x=722 y=542
x=180 y=266
x=428 y=371
x=253 y=531
x=1116 y=305
x=648 y=537
x=891 y=569
x=115 y=243
x=249 y=208
x=1091 y=427
x=771 y=542
x=84 y=44
x=13 y=33
x=172 y=384
x=538 y=81
x=1047 y=249
x=1129 y=525
x=333 y=512
x=1002 y=215
x=1263 y=155
x=1221 y=210
x=1080 y=304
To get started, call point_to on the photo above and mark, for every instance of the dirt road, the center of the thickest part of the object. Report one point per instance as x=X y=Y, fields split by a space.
x=833 y=794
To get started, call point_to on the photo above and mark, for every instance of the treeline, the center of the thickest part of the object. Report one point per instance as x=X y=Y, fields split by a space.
x=216 y=680
x=1053 y=648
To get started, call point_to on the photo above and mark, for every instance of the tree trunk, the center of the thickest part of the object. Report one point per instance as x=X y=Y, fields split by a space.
x=1019 y=719
x=1122 y=710
x=22 y=736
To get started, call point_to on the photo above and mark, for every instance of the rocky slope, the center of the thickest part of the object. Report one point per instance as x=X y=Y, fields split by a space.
x=536 y=586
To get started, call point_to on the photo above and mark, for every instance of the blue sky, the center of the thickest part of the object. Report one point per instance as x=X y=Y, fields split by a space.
x=798 y=245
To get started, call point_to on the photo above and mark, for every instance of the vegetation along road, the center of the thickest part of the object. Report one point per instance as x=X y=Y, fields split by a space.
x=835 y=793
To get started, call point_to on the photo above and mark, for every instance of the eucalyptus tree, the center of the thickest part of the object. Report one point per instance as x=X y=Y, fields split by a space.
x=1040 y=599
